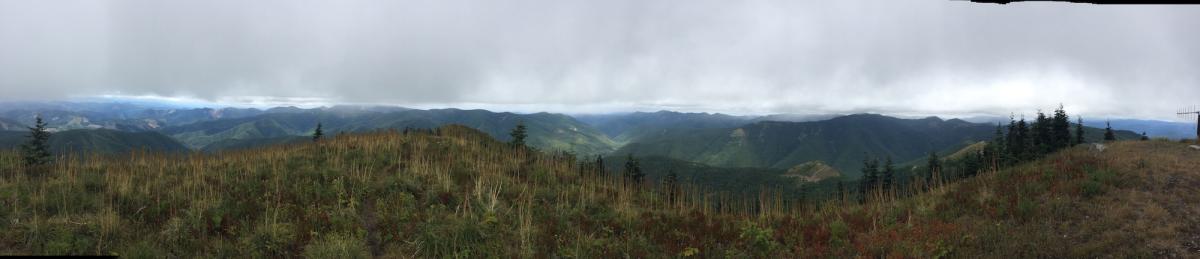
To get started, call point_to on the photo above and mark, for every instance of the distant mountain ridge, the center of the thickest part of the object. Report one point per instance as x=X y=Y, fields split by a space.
x=236 y=144
x=61 y=116
x=10 y=125
x=546 y=130
x=842 y=142
x=776 y=141
x=1152 y=128
x=102 y=141
x=624 y=128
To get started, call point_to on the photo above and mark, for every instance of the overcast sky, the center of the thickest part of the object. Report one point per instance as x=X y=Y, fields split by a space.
x=741 y=57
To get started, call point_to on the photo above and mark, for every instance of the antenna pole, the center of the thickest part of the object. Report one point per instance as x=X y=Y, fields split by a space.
x=1193 y=112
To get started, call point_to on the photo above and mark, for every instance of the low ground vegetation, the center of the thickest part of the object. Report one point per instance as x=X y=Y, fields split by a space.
x=455 y=192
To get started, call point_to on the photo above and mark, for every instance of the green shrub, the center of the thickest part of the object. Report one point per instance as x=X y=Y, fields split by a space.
x=1091 y=188
x=177 y=233
x=143 y=249
x=1103 y=176
x=838 y=233
x=270 y=240
x=93 y=182
x=1026 y=208
x=1097 y=182
x=761 y=239
x=337 y=246
x=61 y=238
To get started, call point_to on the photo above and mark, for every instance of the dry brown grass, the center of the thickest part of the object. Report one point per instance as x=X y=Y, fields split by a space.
x=458 y=193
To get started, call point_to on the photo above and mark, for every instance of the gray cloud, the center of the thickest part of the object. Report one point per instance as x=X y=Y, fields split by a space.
x=743 y=57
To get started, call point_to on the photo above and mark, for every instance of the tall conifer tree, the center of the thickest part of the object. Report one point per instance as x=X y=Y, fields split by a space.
x=841 y=191
x=888 y=174
x=518 y=135
x=670 y=183
x=1060 y=129
x=1108 y=132
x=1012 y=145
x=599 y=165
x=1024 y=148
x=633 y=170
x=1079 y=130
x=36 y=150
x=870 y=176
x=1042 y=140
x=934 y=167
x=317 y=134
x=994 y=151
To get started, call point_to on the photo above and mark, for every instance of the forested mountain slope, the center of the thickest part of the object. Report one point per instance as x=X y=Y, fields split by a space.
x=99 y=141
x=546 y=131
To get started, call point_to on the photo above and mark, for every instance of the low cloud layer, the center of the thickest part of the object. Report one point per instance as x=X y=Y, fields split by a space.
x=934 y=57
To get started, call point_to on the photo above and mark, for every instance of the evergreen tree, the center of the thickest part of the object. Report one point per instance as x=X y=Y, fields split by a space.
x=888 y=174
x=670 y=183
x=841 y=191
x=518 y=135
x=994 y=152
x=599 y=165
x=971 y=164
x=1012 y=146
x=1144 y=137
x=585 y=168
x=870 y=176
x=1079 y=131
x=1024 y=144
x=36 y=150
x=872 y=171
x=933 y=165
x=802 y=195
x=1060 y=129
x=1108 y=133
x=317 y=134
x=1041 y=134
x=633 y=170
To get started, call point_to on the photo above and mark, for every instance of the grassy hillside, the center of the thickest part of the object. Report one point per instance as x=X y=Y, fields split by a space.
x=100 y=141
x=546 y=130
x=455 y=192
x=236 y=144
x=1128 y=201
x=737 y=182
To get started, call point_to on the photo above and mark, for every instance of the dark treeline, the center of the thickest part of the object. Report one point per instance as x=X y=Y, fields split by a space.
x=1019 y=141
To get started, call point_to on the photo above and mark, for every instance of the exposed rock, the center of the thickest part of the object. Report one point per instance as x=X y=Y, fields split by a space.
x=738 y=133
x=812 y=171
